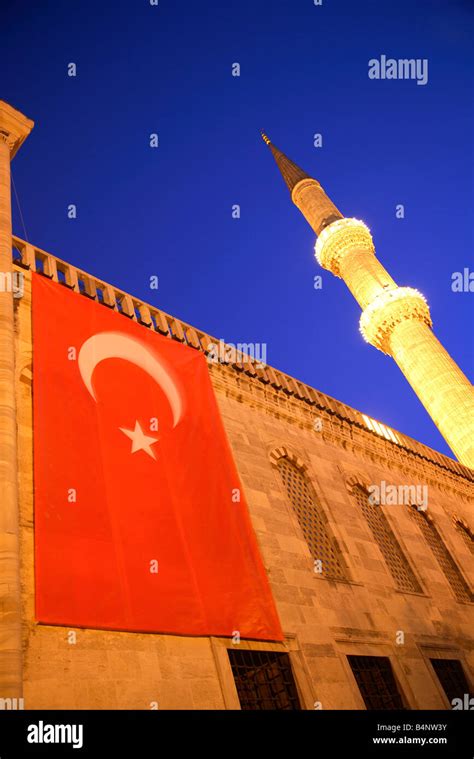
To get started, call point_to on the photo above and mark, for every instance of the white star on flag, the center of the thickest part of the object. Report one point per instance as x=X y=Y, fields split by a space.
x=140 y=441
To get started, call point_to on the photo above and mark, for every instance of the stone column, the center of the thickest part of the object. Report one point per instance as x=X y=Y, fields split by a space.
x=14 y=129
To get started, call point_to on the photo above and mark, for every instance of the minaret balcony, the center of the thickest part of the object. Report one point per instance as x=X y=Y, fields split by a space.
x=340 y=239
x=389 y=309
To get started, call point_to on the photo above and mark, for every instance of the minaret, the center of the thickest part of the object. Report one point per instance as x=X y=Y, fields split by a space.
x=14 y=129
x=394 y=319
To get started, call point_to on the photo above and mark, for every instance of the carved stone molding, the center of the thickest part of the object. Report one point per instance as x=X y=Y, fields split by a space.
x=338 y=432
x=286 y=452
x=388 y=309
x=353 y=479
x=340 y=238
x=14 y=127
x=457 y=520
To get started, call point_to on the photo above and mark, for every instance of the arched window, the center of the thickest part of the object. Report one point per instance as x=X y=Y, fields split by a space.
x=303 y=499
x=465 y=532
x=441 y=554
x=389 y=546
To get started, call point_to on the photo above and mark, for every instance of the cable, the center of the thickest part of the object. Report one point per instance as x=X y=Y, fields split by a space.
x=19 y=209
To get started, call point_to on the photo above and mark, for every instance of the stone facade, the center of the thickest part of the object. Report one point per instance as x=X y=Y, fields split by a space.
x=268 y=415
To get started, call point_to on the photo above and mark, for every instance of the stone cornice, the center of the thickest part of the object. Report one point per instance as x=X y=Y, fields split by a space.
x=340 y=431
x=14 y=127
x=344 y=424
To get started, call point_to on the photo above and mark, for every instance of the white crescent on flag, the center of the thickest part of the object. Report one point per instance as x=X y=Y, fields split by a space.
x=106 y=345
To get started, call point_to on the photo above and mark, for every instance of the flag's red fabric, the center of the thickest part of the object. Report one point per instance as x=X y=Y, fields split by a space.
x=138 y=522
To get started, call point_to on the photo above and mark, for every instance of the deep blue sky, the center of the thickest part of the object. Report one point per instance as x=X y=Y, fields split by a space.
x=167 y=69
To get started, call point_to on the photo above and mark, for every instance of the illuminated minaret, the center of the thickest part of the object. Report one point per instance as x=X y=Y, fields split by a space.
x=394 y=319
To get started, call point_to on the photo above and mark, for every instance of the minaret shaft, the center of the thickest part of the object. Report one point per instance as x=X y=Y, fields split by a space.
x=318 y=210
x=396 y=320
x=439 y=383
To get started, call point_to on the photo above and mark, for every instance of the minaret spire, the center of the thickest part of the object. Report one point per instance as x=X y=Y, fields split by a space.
x=394 y=319
x=298 y=182
x=291 y=173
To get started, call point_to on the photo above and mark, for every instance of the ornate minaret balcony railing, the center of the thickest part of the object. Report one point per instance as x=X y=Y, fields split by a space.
x=346 y=249
x=394 y=319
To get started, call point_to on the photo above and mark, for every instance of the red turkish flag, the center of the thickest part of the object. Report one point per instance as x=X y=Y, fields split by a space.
x=138 y=525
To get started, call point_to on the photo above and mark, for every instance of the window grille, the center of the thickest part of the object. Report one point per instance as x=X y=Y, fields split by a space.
x=465 y=533
x=390 y=548
x=377 y=684
x=451 y=676
x=264 y=680
x=442 y=555
x=303 y=499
